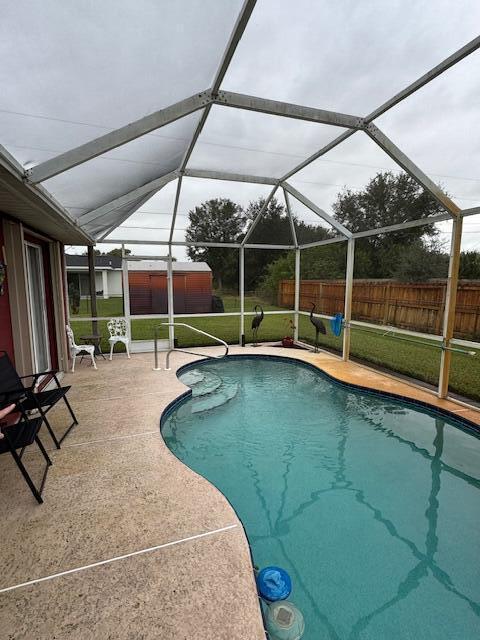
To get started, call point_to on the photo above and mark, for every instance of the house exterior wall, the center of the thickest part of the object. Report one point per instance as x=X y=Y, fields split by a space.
x=16 y=331
x=115 y=286
x=6 y=334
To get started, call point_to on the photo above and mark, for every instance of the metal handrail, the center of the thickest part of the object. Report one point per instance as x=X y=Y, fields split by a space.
x=389 y=333
x=182 y=324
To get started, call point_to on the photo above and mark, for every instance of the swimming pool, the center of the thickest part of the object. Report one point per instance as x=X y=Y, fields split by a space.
x=372 y=505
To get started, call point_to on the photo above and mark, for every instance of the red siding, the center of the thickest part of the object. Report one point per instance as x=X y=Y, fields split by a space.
x=6 y=337
x=148 y=292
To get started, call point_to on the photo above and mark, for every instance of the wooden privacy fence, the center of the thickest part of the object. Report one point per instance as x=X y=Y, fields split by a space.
x=414 y=306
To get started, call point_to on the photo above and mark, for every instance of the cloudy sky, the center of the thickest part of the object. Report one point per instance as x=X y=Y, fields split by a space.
x=88 y=67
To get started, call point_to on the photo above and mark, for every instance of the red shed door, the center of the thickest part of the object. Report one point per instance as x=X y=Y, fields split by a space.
x=179 y=293
x=158 y=289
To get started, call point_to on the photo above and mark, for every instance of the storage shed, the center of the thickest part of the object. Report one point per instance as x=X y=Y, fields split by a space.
x=147 y=283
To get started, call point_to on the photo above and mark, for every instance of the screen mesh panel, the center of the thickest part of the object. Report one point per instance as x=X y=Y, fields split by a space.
x=349 y=56
x=437 y=128
x=255 y=143
x=98 y=181
x=73 y=71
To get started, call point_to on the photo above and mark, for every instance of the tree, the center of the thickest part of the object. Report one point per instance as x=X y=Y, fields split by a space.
x=389 y=199
x=329 y=261
x=118 y=252
x=274 y=228
x=470 y=265
x=113 y=252
x=416 y=263
x=409 y=254
x=216 y=220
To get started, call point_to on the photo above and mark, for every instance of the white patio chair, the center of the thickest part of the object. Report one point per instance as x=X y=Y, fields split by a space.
x=117 y=327
x=76 y=349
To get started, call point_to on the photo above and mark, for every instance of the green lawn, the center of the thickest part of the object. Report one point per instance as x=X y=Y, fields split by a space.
x=105 y=308
x=414 y=360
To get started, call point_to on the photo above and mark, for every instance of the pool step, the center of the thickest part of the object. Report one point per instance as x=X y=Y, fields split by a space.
x=192 y=377
x=220 y=396
x=210 y=383
x=209 y=391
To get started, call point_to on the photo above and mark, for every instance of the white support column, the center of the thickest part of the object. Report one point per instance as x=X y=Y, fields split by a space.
x=297 y=292
x=241 y=283
x=105 y=284
x=348 y=297
x=450 y=305
x=171 y=315
x=126 y=294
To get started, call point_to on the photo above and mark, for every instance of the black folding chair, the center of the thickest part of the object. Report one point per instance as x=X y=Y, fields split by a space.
x=19 y=431
x=25 y=396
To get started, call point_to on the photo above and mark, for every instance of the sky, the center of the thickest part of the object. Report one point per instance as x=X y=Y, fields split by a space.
x=345 y=56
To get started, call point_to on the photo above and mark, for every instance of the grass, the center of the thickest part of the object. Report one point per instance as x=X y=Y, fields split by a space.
x=410 y=359
x=414 y=360
x=105 y=308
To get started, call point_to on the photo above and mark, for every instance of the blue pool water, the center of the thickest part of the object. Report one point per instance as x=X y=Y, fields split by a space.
x=372 y=506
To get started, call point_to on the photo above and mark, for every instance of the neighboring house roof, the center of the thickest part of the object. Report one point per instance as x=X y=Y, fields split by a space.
x=161 y=265
x=101 y=262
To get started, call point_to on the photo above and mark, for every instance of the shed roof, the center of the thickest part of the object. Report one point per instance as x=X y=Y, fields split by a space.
x=161 y=265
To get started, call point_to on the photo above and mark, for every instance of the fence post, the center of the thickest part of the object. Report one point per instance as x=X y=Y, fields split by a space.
x=171 y=330
x=450 y=304
x=386 y=302
x=126 y=294
x=348 y=298
x=297 y=292
x=241 y=285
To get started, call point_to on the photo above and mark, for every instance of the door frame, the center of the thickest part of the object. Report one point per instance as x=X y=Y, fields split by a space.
x=40 y=248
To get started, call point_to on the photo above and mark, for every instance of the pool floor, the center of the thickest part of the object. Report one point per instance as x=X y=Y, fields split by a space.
x=372 y=506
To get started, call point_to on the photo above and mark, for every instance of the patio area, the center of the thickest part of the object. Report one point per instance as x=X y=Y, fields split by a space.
x=129 y=542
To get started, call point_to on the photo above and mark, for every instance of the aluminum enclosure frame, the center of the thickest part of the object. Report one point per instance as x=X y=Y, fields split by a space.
x=96 y=218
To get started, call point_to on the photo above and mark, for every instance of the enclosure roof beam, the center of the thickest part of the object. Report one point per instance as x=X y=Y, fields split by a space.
x=237 y=33
x=100 y=235
x=116 y=138
x=238 y=29
x=407 y=165
x=233 y=177
x=230 y=245
x=269 y=246
x=320 y=243
x=443 y=66
x=290 y=217
x=320 y=212
x=318 y=154
x=175 y=207
x=219 y=245
x=403 y=225
x=288 y=110
x=470 y=212
x=259 y=215
x=126 y=198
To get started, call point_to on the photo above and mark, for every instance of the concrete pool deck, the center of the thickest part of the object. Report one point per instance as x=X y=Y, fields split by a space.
x=130 y=543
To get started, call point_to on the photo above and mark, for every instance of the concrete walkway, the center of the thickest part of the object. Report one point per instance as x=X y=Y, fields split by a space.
x=130 y=543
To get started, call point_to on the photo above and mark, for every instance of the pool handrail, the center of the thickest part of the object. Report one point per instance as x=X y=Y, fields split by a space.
x=183 y=324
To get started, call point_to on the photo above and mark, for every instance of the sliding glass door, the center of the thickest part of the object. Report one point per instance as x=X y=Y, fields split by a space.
x=38 y=307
